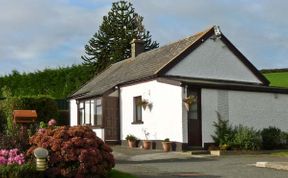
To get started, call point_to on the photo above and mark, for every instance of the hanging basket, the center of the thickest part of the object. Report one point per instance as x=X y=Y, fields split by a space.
x=187 y=106
x=188 y=101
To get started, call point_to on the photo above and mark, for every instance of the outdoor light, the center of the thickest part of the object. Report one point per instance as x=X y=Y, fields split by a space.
x=41 y=155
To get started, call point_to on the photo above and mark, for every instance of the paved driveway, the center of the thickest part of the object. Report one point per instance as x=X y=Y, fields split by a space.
x=148 y=164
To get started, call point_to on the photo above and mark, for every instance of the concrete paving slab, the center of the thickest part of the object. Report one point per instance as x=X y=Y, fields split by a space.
x=273 y=165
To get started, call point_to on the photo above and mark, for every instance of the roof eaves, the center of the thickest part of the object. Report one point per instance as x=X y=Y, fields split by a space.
x=72 y=94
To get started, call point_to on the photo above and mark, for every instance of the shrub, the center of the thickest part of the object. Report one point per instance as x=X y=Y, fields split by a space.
x=271 y=138
x=73 y=151
x=224 y=133
x=131 y=137
x=27 y=170
x=15 y=138
x=246 y=138
x=284 y=138
x=45 y=106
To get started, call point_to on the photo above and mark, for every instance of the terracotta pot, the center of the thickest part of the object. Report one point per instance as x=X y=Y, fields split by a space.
x=131 y=143
x=147 y=144
x=166 y=146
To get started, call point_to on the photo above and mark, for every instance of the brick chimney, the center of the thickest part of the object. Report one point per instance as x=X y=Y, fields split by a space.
x=137 y=47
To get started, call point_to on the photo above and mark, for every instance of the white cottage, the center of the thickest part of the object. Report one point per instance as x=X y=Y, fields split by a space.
x=206 y=65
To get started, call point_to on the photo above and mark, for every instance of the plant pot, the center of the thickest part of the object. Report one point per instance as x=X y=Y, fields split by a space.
x=147 y=144
x=131 y=143
x=166 y=146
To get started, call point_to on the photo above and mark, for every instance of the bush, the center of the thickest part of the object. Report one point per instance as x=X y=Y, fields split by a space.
x=12 y=156
x=73 y=151
x=246 y=138
x=284 y=138
x=45 y=106
x=224 y=133
x=271 y=138
x=131 y=137
x=15 y=138
x=27 y=170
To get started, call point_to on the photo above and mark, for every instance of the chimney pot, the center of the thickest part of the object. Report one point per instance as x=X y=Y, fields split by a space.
x=137 y=47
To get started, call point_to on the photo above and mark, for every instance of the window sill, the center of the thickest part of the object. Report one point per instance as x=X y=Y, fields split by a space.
x=137 y=122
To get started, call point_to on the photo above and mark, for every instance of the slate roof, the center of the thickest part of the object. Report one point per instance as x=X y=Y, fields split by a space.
x=144 y=65
x=154 y=63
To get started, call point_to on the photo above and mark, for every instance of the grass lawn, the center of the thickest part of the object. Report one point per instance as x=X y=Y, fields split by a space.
x=118 y=174
x=279 y=79
x=280 y=153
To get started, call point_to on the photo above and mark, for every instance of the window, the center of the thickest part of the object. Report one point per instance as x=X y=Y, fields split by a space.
x=98 y=112
x=137 y=109
x=90 y=112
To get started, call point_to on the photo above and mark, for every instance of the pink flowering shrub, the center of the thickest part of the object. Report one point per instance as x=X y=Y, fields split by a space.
x=73 y=151
x=52 y=122
x=13 y=156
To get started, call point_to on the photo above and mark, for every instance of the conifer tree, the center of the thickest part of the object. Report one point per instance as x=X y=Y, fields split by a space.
x=111 y=43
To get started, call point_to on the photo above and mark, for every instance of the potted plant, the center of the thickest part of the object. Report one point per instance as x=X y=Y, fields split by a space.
x=166 y=144
x=188 y=101
x=131 y=139
x=146 y=143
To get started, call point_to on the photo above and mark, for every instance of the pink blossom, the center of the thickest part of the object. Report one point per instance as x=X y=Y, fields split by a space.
x=12 y=156
x=41 y=131
x=52 y=122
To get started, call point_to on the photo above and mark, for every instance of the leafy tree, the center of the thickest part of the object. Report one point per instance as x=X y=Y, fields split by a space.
x=112 y=41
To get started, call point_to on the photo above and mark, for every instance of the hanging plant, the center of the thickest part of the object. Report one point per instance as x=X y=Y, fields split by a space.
x=188 y=101
x=144 y=103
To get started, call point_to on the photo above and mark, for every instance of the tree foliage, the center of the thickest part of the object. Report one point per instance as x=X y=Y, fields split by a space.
x=57 y=83
x=112 y=41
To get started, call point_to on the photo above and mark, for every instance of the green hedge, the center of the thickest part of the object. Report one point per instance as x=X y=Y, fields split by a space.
x=45 y=106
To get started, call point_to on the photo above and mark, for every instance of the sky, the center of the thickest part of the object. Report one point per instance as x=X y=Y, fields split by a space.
x=39 y=34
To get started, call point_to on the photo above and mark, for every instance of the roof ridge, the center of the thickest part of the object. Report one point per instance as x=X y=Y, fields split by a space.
x=179 y=40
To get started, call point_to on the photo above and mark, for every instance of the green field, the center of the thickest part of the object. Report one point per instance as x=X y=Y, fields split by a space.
x=279 y=79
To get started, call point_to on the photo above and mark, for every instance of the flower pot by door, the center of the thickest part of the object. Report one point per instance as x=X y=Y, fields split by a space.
x=132 y=143
x=147 y=144
x=166 y=146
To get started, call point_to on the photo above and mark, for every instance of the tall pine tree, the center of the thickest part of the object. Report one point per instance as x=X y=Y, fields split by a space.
x=112 y=41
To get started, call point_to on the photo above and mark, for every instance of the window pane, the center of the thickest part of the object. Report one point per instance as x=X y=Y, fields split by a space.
x=98 y=112
x=81 y=105
x=99 y=120
x=87 y=112
x=81 y=116
x=92 y=112
x=98 y=101
x=137 y=108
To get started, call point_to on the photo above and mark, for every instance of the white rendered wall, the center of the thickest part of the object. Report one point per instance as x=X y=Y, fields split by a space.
x=100 y=133
x=254 y=109
x=213 y=60
x=73 y=112
x=165 y=118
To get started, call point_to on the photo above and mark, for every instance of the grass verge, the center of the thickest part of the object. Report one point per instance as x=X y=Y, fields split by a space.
x=280 y=153
x=118 y=174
